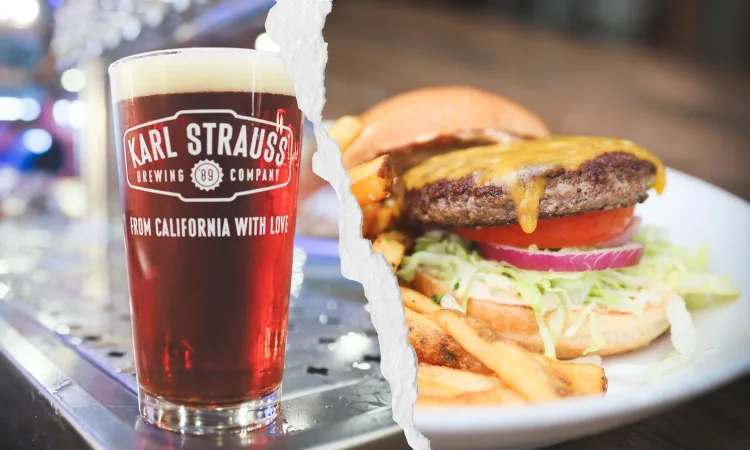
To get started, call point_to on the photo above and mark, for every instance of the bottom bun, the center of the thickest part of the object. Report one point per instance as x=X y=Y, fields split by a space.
x=622 y=332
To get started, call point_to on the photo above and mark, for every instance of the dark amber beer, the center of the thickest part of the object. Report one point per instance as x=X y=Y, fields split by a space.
x=208 y=146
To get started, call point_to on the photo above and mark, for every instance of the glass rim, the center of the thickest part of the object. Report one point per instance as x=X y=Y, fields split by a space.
x=173 y=51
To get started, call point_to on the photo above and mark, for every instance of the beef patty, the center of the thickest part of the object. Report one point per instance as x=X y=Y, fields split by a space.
x=612 y=180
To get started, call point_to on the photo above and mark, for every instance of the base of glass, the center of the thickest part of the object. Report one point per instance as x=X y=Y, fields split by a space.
x=238 y=418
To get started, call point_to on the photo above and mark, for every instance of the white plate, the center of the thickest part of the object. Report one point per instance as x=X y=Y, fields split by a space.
x=694 y=212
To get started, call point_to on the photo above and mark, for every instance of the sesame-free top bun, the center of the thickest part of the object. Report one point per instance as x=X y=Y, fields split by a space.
x=417 y=124
x=622 y=332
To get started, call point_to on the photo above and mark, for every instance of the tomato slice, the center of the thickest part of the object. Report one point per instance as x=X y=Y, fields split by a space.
x=570 y=231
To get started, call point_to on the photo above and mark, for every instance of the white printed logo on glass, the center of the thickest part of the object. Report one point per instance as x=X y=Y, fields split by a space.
x=209 y=155
x=206 y=175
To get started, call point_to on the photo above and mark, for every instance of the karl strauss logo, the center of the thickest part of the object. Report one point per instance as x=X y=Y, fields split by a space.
x=208 y=155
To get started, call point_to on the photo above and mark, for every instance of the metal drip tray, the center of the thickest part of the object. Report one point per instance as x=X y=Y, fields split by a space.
x=65 y=323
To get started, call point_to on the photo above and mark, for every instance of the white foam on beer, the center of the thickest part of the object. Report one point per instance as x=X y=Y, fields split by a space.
x=199 y=70
x=297 y=27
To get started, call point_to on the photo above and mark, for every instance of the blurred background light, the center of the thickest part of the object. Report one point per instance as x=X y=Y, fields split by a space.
x=112 y=38
x=31 y=109
x=94 y=49
x=154 y=16
x=37 y=140
x=21 y=12
x=60 y=111
x=77 y=114
x=73 y=80
x=71 y=197
x=11 y=109
x=131 y=30
x=180 y=5
x=351 y=346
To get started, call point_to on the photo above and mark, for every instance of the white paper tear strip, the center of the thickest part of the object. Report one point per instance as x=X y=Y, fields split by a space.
x=297 y=27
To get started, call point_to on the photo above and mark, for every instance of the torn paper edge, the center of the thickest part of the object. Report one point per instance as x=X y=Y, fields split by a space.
x=297 y=27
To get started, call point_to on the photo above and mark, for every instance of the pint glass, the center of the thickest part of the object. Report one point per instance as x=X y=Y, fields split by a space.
x=208 y=145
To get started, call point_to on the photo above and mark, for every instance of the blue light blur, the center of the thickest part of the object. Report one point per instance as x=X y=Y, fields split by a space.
x=37 y=140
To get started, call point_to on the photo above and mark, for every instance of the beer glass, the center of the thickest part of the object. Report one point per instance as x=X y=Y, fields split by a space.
x=208 y=145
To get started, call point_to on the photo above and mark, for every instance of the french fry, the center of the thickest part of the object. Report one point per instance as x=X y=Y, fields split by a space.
x=433 y=346
x=429 y=286
x=582 y=379
x=369 y=215
x=372 y=181
x=417 y=302
x=399 y=236
x=499 y=396
x=392 y=249
x=514 y=366
x=385 y=218
x=432 y=388
x=345 y=130
x=460 y=379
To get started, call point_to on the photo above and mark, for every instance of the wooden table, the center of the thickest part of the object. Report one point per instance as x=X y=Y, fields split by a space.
x=696 y=119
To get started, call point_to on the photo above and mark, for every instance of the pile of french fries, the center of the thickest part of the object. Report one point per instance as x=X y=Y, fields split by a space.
x=464 y=362
x=461 y=360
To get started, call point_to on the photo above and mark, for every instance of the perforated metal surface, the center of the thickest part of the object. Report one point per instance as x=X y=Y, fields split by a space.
x=70 y=277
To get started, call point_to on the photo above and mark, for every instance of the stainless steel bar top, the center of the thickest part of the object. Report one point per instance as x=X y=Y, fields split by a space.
x=65 y=324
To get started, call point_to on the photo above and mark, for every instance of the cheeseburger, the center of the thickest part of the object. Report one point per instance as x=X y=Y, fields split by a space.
x=532 y=234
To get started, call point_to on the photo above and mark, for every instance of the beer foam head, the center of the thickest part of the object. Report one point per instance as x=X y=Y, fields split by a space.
x=199 y=70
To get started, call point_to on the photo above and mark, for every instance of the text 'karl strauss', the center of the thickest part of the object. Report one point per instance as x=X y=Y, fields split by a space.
x=211 y=138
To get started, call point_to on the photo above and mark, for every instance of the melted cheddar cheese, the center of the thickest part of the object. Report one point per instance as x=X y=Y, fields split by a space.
x=523 y=166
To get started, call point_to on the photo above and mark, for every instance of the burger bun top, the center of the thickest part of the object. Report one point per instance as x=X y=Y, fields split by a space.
x=437 y=119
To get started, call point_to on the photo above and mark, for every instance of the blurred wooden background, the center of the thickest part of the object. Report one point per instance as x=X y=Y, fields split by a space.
x=695 y=116
x=713 y=32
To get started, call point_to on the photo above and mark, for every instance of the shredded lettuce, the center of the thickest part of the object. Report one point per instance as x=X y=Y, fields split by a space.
x=664 y=270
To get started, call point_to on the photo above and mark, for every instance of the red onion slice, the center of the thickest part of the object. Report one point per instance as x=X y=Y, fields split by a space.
x=627 y=255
